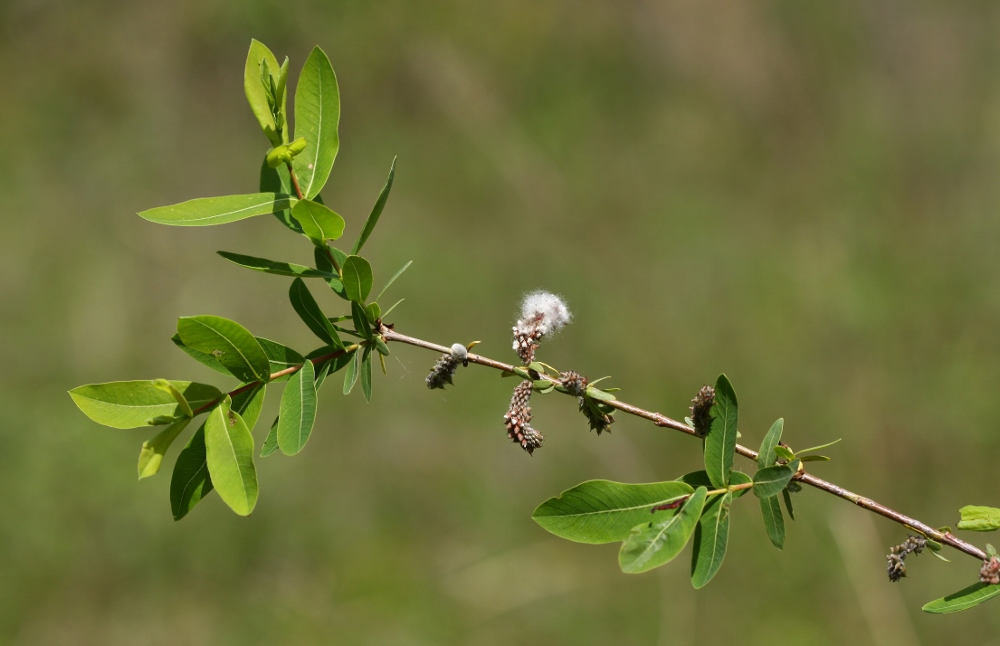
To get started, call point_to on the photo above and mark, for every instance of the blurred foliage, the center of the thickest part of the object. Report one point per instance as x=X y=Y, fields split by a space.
x=802 y=195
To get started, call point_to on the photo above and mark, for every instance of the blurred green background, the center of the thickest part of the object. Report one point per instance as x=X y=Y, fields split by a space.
x=803 y=195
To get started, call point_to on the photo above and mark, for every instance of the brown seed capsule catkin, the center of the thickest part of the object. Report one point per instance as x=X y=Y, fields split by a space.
x=517 y=419
x=895 y=566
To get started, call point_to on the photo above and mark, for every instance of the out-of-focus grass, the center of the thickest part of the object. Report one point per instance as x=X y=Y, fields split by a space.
x=803 y=196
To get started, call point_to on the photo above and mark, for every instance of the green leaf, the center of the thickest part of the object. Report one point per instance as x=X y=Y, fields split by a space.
x=310 y=313
x=322 y=256
x=770 y=481
x=820 y=447
x=366 y=374
x=298 y=410
x=700 y=479
x=254 y=89
x=979 y=519
x=358 y=280
x=386 y=313
x=178 y=396
x=766 y=456
x=381 y=346
x=317 y=114
x=654 y=544
x=153 y=450
x=249 y=404
x=203 y=358
x=788 y=503
x=720 y=444
x=229 y=454
x=275 y=267
x=360 y=318
x=599 y=395
x=280 y=357
x=207 y=211
x=601 y=511
x=711 y=538
x=774 y=522
x=813 y=458
x=319 y=223
x=190 y=481
x=130 y=404
x=964 y=599
x=227 y=341
x=376 y=212
x=784 y=453
x=271 y=441
x=353 y=370
x=374 y=312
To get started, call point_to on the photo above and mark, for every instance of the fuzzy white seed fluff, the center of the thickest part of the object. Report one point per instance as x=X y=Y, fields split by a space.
x=460 y=352
x=543 y=311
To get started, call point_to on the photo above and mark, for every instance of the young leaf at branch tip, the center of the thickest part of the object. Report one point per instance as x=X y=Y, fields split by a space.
x=770 y=481
x=651 y=545
x=366 y=374
x=602 y=511
x=788 y=502
x=275 y=267
x=353 y=370
x=964 y=599
x=357 y=278
x=310 y=313
x=229 y=455
x=317 y=117
x=208 y=211
x=376 y=211
x=784 y=453
x=766 y=456
x=297 y=413
x=374 y=312
x=319 y=223
x=229 y=342
x=131 y=404
x=720 y=443
x=190 y=481
x=386 y=313
x=976 y=518
x=774 y=522
x=254 y=89
x=393 y=279
x=817 y=448
x=153 y=450
x=285 y=153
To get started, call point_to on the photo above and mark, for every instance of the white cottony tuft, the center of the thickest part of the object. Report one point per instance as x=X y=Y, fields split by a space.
x=460 y=352
x=543 y=312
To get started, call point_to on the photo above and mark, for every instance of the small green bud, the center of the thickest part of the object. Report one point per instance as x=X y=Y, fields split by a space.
x=285 y=153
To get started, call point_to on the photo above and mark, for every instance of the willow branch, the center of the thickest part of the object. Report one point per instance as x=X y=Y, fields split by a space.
x=662 y=420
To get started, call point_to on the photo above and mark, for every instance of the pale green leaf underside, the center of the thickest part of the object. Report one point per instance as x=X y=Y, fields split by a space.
x=153 y=450
x=297 y=413
x=229 y=455
x=602 y=511
x=977 y=518
x=130 y=404
x=252 y=85
x=319 y=223
x=654 y=544
x=206 y=211
x=317 y=115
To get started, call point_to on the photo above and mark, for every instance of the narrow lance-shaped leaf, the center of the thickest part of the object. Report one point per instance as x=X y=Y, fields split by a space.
x=153 y=450
x=770 y=481
x=774 y=522
x=319 y=223
x=964 y=599
x=130 y=404
x=376 y=211
x=720 y=444
x=353 y=370
x=271 y=441
x=653 y=544
x=360 y=320
x=227 y=341
x=310 y=313
x=602 y=511
x=393 y=279
x=366 y=374
x=298 y=410
x=208 y=211
x=249 y=403
x=317 y=115
x=357 y=277
x=275 y=266
x=229 y=454
x=766 y=457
